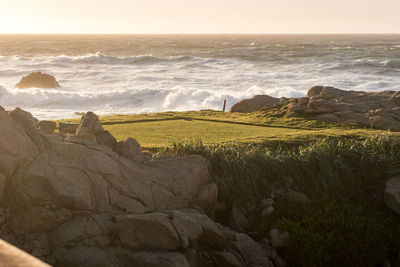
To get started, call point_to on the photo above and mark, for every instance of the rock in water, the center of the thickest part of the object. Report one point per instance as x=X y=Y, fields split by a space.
x=38 y=80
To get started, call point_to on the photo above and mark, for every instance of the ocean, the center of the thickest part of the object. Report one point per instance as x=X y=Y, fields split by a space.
x=122 y=74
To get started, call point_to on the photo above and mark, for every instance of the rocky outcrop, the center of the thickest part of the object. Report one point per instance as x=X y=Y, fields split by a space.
x=324 y=103
x=82 y=199
x=256 y=103
x=13 y=257
x=392 y=194
x=37 y=80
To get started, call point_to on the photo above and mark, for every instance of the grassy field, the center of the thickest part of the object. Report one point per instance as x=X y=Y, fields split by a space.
x=156 y=130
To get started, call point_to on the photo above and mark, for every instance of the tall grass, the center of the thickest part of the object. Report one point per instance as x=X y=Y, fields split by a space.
x=347 y=222
x=247 y=173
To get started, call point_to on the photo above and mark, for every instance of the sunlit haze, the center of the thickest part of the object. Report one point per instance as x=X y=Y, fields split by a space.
x=207 y=16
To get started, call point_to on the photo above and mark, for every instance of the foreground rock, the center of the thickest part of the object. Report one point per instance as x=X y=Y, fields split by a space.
x=37 y=80
x=392 y=194
x=82 y=199
x=13 y=257
x=324 y=103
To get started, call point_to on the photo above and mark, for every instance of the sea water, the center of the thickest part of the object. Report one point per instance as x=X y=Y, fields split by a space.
x=122 y=74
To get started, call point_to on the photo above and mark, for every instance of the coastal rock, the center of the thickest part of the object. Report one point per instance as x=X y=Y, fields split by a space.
x=163 y=259
x=37 y=80
x=392 y=194
x=147 y=231
x=255 y=103
x=278 y=238
x=89 y=124
x=73 y=202
x=298 y=197
x=12 y=256
x=130 y=149
x=325 y=103
x=106 y=139
x=67 y=127
x=237 y=219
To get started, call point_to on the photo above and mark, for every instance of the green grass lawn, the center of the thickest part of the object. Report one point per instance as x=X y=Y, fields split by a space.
x=156 y=130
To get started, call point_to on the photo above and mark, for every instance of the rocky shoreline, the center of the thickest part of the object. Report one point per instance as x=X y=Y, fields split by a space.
x=83 y=199
x=329 y=104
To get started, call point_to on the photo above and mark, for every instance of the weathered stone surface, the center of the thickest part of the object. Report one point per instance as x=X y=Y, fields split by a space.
x=237 y=219
x=76 y=203
x=28 y=123
x=226 y=259
x=75 y=230
x=82 y=139
x=147 y=231
x=47 y=127
x=89 y=124
x=15 y=145
x=36 y=219
x=189 y=222
x=392 y=194
x=159 y=259
x=250 y=250
x=14 y=257
x=67 y=127
x=295 y=196
x=130 y=149
x=255 y=103
x=278 y=238
x=106 y=139
x=3 y=181
x=37 y=80
x=86 y=256
x=325 y=103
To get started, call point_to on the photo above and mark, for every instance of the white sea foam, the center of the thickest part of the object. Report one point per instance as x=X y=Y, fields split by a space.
x=188 y=75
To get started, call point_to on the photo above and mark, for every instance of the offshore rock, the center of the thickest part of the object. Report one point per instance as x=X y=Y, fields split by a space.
x=38 y=80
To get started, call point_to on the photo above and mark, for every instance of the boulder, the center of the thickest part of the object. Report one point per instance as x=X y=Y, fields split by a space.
x=298 y=197
x=130 y=149
x=226 y=259
x=237 y=219
x=86 y=256
x=256 y=103
x=37 y=80
x=67 y=127
x=15 y=145
x=159 y=259
x=147 y=231
x=250 y=250
x=89 y=124
x=189 y=222
x=106 y=139
x=392 y=194
x=278 y=238
x=14 y=257
x=28 y=123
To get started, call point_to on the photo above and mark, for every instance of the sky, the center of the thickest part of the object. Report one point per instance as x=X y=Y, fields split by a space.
x=199 y=16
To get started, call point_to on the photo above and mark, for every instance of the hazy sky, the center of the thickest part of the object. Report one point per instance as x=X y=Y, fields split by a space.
x=199 y=16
